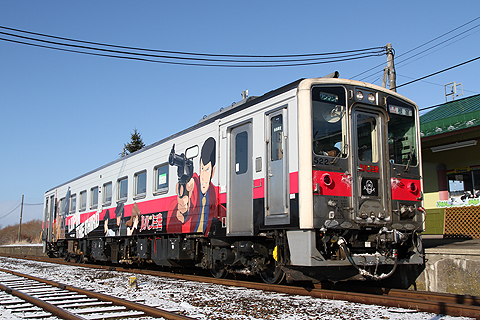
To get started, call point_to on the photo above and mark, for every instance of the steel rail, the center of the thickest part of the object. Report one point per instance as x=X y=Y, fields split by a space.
x=56 y=311
x=439 y=303
x=151 y=311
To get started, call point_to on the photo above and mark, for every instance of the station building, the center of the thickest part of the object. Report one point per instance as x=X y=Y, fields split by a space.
x=450 y=135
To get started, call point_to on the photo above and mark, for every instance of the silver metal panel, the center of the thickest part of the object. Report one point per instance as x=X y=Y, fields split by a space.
x=240 y=190
x=302 y=248
x=277 y=193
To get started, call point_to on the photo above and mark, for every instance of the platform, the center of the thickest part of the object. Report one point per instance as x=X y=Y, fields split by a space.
x=23 y=250
x=451 y=266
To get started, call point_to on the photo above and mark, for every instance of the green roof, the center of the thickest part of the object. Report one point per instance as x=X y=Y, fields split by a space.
x=451 y=116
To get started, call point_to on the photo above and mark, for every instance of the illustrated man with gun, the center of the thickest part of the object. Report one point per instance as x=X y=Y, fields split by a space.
x=196 y=203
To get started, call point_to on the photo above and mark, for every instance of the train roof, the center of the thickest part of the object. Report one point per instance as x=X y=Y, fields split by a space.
x=223 y=112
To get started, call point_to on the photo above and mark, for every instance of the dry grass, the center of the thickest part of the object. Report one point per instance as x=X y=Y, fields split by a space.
x=31 y=233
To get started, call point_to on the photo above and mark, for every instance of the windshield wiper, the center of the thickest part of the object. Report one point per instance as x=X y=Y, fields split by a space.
x=410 y=157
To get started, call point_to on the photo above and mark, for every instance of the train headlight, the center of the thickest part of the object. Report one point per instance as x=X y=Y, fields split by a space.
x=327 y=179
x=413 y=187
x=359 y=95
x=371 y=98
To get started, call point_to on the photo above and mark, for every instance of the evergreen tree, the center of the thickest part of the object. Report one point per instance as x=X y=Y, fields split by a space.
x=135 y=143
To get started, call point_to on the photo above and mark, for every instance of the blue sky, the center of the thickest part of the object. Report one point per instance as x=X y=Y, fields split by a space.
x=63 y=114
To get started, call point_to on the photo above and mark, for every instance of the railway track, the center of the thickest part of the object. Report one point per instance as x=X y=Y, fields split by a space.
x=36 y=298
x=438 y=303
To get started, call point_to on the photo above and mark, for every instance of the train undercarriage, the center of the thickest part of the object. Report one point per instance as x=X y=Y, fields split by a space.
x=340 y=255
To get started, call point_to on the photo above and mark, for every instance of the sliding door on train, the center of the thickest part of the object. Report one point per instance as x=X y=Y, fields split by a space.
x=277 y=182
x=240 y=191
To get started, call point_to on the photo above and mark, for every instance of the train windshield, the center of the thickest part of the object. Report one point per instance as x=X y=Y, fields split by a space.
x=329 y=127
x=401 y=134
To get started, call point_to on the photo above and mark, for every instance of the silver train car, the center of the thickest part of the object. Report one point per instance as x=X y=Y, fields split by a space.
x=317 y=180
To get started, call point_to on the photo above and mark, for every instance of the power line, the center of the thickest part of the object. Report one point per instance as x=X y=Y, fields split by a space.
x=272 y=64
x=187 y=58
x=424 y=44
x=438 y=72
x=426 y=108
x=187 y=53
x=433 y=83
x=18 y=205
x=478 y=25
x=463 y=25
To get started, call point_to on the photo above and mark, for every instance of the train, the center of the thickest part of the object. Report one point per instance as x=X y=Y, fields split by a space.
x=320 y=179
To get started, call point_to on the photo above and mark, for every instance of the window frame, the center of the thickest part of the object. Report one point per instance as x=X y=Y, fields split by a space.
x=158 y=191
x=331 y=116
x=104 y=197
x=120 y=197
x=72 y=209
x=241 y=158
x=276 y=137
x=83 y=199
x=93 y=205
x=61 y=206
x=141 y=195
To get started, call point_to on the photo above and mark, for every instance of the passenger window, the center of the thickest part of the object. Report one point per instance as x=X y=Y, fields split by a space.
x=241 y=153
x=161 y=178
x=122 y=189
x=107 y=194
x=141 y=184
x=83 y=200
x=94 y=198
x=61 y=206
x=73 y=203
x=276 y=134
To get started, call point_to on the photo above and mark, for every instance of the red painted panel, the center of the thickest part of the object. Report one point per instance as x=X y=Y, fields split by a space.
x=293 y=182
x=405 y=189
x=259 y=188
x=222 y=197
x=332 y=183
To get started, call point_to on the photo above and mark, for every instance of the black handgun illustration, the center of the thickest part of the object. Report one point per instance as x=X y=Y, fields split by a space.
x=184 y=170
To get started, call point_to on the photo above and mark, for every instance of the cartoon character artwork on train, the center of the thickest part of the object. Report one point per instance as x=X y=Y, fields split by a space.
x=195 y=208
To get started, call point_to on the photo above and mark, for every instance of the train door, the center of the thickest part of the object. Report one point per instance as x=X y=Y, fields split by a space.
x=48 y=219
x=276 y=202
x=369 y=156
x=52 y=218
x=45 y=221
x=240 y=186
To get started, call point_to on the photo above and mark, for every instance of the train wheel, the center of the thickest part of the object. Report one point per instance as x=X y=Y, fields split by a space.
x=79 y=258
x=273 y=275
x=219 y=271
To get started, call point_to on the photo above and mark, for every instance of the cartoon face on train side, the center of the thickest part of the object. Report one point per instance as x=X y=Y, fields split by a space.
x=194 y=208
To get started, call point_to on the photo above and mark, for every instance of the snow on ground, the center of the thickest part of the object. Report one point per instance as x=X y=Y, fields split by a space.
x=207 y=301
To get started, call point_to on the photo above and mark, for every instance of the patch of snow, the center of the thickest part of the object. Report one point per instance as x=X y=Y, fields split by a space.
x=208 y=301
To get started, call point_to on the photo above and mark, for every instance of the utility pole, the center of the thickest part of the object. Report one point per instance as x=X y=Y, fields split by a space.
x=389 y=70
x=20 y=226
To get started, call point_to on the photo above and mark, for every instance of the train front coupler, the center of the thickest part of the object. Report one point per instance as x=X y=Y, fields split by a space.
x=386 y=254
